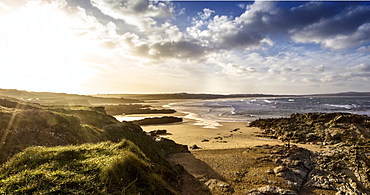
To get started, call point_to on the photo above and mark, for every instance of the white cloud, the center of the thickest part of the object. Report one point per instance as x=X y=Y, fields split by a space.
x=206 y=13
x=360 y=68
x=141 y=13
x=329 y=78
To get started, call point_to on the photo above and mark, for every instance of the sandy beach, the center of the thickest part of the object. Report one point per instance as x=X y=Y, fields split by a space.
x=224 y=151
x=208 y=134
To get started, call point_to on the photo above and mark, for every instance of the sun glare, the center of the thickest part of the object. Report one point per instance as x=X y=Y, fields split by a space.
x=38 y=45
x=42 y=48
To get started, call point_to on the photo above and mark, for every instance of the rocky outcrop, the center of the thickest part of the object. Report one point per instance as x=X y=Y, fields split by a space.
x=319 y=128
x=158 y=120
x=343 y=170
x=155 y=133
x=171 y=147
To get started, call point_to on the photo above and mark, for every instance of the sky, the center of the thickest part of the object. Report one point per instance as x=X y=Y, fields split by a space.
x=223 y=47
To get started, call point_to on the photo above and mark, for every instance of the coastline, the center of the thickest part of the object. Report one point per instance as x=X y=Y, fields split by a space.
x=209 y=134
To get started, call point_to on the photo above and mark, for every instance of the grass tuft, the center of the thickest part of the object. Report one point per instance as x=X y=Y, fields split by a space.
x=103 y=168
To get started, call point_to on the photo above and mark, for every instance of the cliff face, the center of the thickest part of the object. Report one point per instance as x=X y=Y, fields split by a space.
x=49 y=139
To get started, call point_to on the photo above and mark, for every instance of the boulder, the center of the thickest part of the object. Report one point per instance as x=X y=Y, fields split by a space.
x=158 y=132
x=219 y=186
x=158 y=120
x=194 y=147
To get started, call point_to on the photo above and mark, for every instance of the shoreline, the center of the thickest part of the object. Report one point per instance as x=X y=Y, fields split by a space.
x=231 y=135
x=219 y=135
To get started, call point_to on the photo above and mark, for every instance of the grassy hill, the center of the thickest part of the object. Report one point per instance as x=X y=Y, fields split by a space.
x=78 y=150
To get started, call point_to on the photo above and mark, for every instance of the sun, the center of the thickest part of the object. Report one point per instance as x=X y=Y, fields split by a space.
x=39 y=45
x=42 y=50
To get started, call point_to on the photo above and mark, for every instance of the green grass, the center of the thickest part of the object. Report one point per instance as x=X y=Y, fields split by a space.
x=104 y=168
x=114 y=158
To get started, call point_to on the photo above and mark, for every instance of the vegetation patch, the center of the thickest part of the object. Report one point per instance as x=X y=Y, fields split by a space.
x=41 y=153
x=104 y=168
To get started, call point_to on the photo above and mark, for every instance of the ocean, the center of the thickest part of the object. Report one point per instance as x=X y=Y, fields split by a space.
x=209 y=112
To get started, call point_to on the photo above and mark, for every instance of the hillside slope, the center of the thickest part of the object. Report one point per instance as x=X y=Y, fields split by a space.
x=63 y=150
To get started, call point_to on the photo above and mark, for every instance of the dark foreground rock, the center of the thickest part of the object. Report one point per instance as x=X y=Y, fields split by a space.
x=344 y=167
x=343 y=170
x=318 y=128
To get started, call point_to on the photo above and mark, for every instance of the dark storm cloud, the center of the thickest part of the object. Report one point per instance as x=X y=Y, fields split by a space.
x=181 y=49
x=276 y=19
x=240 y=40
x=318 y=22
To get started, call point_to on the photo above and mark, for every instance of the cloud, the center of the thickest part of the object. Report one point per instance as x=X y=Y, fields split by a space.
x=364 y=49
x=348 y=29
x=161 y=39
x=181 y=49
x=311 y=80
x=329 y=78
x=206 y=13
x=318 y=69
x=360 y=68
x=141 y=13
x=312 y=22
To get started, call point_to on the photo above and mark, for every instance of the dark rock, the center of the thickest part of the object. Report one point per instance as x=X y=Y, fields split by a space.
x=241 y=173
x=171 y=147
x=194 y=147
x=328 y=128
x=158 y=132
x=205 y=140
x=342 y=169
x=158 y=120
x=237 y=129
